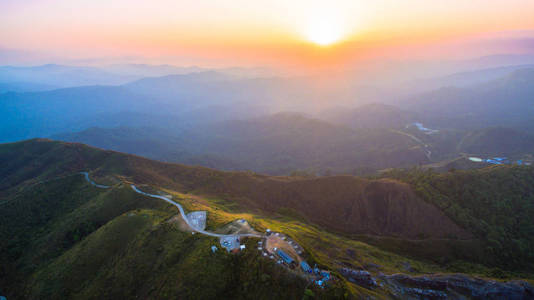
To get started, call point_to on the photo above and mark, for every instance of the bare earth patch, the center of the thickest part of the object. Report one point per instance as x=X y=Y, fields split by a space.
x=273 y=241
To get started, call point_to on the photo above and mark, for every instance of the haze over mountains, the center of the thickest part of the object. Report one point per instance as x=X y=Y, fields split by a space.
x=277 y=144
x=444 y=165
x=267 y=149
x=54 y=76
x=238 y=119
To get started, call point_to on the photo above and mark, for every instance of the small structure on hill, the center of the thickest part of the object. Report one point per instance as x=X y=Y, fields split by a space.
x=284 y=256
x=305 y=267
x=197 y=219
x=214 y=248
x=230 y=242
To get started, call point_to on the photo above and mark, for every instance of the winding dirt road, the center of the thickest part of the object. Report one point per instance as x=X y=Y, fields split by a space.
x=180 y=208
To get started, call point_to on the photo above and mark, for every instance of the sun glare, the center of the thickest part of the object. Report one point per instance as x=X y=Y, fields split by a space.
x=324 y=33
x=325 y=26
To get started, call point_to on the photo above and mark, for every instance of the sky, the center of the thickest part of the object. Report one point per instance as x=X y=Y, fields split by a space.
x=272 y=32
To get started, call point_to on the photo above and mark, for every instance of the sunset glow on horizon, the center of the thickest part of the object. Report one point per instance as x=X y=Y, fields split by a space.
x=253 y=33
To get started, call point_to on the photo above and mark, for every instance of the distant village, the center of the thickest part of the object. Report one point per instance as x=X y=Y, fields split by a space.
x=500 y=161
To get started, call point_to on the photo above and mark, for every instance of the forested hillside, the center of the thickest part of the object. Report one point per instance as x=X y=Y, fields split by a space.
x=355 y=205
x=276 y=144
x=495 y=203
x=68 y=239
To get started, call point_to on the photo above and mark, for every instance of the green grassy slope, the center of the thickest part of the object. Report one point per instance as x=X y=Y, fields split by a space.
x=67 y=239
x=141 y=255
x=42 y=221
x=355 y=205
x=118 y=244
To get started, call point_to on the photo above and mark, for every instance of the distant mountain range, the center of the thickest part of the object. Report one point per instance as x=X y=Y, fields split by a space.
x=53 y=76
x=492 y=141
x=61 y=75
x=466 y=79
x=502 y=102
x=374 y=115
x=226 y=121
x=285 y=143
x=277 y=144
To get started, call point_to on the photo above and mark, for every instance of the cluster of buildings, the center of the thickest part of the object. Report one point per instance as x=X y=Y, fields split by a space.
x=500 y=161
x=282 y=257
x=320 y=277
x=289 y=256
x=279 y=255
x=287 y=239
x=231 y=243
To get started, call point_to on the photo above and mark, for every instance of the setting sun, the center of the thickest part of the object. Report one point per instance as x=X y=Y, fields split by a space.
x=324 y=33
x=146 y=146
x=325 y=26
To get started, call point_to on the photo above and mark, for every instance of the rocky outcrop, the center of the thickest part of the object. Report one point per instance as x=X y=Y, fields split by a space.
x=454 y=286
x=360 y=277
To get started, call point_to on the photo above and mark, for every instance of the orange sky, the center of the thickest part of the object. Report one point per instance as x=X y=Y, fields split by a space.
x=248 y=32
